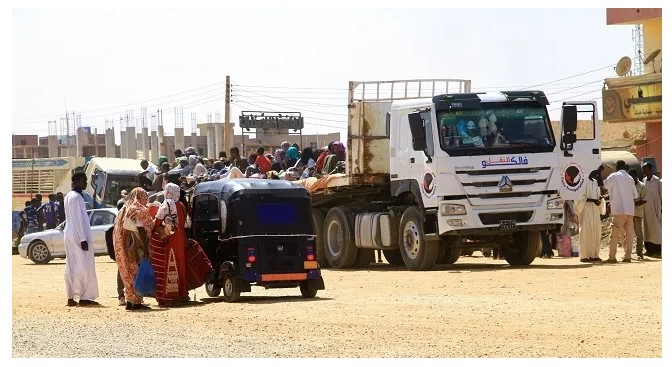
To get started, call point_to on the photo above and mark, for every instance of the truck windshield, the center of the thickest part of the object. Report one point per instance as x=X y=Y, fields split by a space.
x=496 y=128
x=117 y=183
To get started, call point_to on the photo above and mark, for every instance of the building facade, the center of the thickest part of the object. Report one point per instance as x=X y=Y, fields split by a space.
x=638 y=98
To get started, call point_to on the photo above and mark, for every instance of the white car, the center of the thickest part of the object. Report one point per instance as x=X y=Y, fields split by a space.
x=41 y=247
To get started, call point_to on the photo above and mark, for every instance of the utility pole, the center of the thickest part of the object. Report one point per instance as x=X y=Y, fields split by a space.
x=227 y=115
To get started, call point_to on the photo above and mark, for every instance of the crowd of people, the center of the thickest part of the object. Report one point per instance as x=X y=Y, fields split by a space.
x=38 y=216
x=140 y=231
x=289 y=162
x=635 y=206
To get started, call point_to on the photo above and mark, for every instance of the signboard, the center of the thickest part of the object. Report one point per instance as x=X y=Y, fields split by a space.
x=271 y=120
x=633 y=103
x=39 y=163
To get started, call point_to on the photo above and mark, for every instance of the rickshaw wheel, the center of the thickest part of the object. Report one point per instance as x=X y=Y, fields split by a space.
x=307 y=293
x=213 y=290
x=231 y=290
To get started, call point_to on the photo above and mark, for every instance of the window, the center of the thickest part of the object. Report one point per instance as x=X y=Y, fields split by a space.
x=99 y=182
x=495 y=128
x=102 y=218
x=23 y=142
x=585 y=128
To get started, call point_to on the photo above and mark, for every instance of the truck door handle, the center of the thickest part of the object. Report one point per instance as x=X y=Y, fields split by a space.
x=596 y=151
x=412 y=160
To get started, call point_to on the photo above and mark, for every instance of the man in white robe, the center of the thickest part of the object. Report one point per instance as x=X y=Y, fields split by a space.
x=81 y=283
x=653 y=212
x=622 y=194
x=638 y=219
x=588 y=209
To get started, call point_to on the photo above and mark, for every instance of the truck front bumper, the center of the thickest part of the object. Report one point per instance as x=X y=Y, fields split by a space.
x=494 y=221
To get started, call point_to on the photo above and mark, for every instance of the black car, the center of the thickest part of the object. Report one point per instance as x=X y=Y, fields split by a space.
x=256 y=232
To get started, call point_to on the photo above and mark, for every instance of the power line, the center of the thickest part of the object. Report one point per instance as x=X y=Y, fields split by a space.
x=570 y=77
x=577 y=95
x=126 y=105
x=301 y=102
x=292 y=107
x=219 y=92
x=285 y=87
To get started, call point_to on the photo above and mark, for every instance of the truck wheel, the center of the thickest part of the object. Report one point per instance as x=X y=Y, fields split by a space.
x=339 y=238
x=393 y=257
x=525 y=248
x=231 y=290
x=318 y=222
x=451 y=256
x=418 y=254
x=364 y=258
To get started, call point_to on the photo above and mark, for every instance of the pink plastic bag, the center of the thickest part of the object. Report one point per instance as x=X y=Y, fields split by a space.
x=564 y=245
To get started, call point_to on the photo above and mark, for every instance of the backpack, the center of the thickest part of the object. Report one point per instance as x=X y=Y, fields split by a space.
x=109 y=241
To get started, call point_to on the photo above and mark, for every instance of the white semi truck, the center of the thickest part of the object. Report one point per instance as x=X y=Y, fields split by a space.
x=433 y=169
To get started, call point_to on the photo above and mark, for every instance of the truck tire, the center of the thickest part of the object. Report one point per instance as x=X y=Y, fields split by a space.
x=451 y=255
x=339 y=238
x=393 y=257
x=318 y=223
x=525 y=248
x=418 y=253
x=364 y=258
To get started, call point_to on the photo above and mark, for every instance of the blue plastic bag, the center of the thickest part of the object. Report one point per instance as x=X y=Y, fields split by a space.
x=145 y=280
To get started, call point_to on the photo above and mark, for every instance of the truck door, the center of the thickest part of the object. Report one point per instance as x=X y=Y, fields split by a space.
x=580 y=146
x=422 y=161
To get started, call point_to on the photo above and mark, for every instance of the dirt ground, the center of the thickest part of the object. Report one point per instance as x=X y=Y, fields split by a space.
x=478 y=307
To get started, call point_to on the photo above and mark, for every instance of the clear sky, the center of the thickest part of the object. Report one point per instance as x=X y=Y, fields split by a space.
x=95 y=59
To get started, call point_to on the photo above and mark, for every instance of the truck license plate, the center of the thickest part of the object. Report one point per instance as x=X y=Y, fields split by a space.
x=507 y=225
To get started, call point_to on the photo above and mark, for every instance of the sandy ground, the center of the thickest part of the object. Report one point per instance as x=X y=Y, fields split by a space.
x=478 y=307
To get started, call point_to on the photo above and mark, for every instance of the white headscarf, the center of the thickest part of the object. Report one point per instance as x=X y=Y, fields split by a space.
x=172 y=195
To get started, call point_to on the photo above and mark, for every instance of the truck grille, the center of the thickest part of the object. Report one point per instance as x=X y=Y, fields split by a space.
x=494 y=218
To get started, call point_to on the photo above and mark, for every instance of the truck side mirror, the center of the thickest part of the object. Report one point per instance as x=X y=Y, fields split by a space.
x=569 y=124
x=417 y=132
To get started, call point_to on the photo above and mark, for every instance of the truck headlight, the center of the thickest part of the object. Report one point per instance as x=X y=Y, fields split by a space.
x=453 y=209
x=555 y=204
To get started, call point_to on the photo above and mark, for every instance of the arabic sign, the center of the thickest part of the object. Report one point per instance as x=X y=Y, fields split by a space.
x=636 y=103
x=505 y=161
x=38 y=163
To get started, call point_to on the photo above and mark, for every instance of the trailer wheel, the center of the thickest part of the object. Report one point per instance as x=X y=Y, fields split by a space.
x=393 y=257
x=418 y=253
x=339 y=239
x=467 y=252
x=318 y=222
x=364 y=258
x=525 y=248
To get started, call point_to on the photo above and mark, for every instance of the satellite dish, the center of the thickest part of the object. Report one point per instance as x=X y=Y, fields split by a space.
x=652 y=56
x=623 y=66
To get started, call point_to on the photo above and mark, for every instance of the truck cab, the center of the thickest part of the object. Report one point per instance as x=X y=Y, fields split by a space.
x=487 y=169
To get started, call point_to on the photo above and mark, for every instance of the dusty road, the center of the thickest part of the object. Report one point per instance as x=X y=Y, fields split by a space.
x=478 y=307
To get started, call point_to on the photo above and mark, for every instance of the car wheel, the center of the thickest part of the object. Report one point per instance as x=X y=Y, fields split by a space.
x=38 y=252
x=231 y=289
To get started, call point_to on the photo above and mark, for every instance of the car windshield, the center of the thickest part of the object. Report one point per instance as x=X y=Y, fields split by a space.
x=494 y=129
x=116 y=184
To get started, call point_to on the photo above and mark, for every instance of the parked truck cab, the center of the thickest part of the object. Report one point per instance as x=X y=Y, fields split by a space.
x=455 y=171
